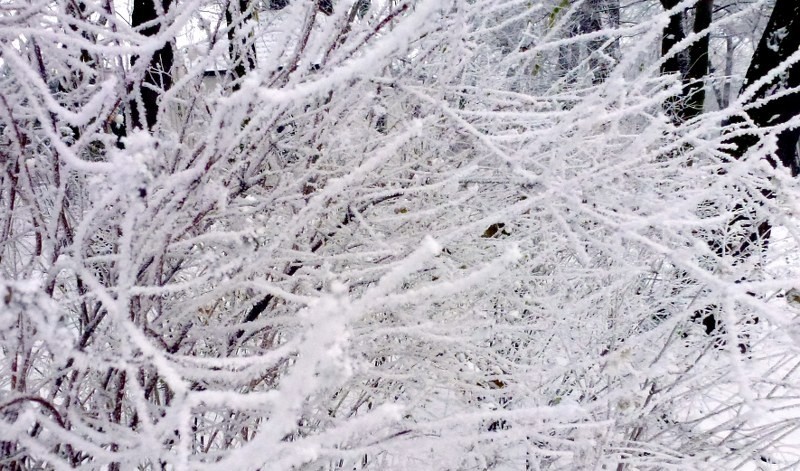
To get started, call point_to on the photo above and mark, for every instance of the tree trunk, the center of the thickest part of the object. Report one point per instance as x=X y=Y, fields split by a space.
x=588 y=19
x=694 y=89
x=612 y=9
x=73 y=80
x=723 y=94
x=673 y=34
x=692 y=65
x=324 y=6
x=674 y=63
x=243 y=56
x=590 y=22
x=158 y=77
x=748 y=233
x=780 y=40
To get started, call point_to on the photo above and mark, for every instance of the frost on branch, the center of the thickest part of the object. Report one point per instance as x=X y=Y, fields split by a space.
x=395 y=235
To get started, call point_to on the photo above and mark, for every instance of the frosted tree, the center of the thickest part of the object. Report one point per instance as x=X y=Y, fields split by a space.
x=385 y=235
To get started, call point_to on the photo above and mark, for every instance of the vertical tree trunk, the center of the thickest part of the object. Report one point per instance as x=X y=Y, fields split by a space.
x=673 y=34
x=726 y=89
x=694 y=89
x=243 y=56
x=73 y=79
x=674 y=63
x=780 y=40
x=77 y=9
x=588 y=19
x=691 y=65
x=158 y=77
x=751 y=232
x=324 y=6
x=590 y=22
x=723 y=93
x=612 y=9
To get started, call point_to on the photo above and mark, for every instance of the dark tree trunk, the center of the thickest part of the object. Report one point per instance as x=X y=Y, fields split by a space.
x=589 y=19
x=694 y=90
x=590 y=22
x=158 y=77
x=692 y=65
x=780 y=40
x=674 y=63
x=612 y=9
x=673 y=34
x=748 y=233
x=72 y=80
x=77 y=9
x=243 y=56
x=324 y=6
